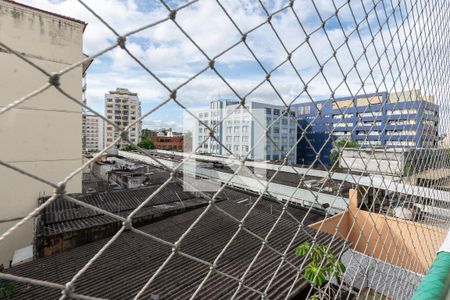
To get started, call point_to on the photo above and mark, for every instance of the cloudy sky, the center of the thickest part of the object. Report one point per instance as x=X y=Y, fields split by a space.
x=173 y=58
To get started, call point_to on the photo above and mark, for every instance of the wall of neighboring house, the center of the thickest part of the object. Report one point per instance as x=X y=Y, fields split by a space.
x=43 y=135
x=168 y=142
x=412 y=245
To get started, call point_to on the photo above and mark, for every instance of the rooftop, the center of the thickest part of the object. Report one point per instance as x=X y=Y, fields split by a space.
x=45 y=12
x=63 y=216
x=133 y=258
x=122 y=91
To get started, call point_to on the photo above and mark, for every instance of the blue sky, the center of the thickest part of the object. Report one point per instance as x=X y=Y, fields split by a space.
x=173 y=58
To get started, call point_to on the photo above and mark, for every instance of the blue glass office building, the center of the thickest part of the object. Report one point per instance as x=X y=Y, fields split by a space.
x=406 y=120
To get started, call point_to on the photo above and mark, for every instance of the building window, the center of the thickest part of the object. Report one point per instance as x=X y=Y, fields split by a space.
x=307 y=109
x=276 y=112
x=268 y=111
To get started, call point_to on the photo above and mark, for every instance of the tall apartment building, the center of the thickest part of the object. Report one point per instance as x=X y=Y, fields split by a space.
x=122 y=107
x=41 y=136
x=391 y=120
x=244 y=130
x=93 y=133
x=84 y=110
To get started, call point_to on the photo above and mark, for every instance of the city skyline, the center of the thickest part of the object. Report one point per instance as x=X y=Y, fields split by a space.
x=154 y=47
x=305 y=153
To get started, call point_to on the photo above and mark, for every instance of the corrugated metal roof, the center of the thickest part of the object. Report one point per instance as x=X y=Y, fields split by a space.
x=65 y=216
x=132 y=259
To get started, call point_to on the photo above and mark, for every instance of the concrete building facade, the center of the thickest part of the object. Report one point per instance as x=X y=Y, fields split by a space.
x=385 y=120
x=93 y=133
x=41 y=136
x=173 y=143
x=122 y=107
x=245 y=129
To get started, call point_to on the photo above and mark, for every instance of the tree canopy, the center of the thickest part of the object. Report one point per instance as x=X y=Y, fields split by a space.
x=146 y=144
x=126 y=148
x=338 y=146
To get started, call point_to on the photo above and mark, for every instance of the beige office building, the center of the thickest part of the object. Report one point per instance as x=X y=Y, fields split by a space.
x=122 y=107
x=41 y=136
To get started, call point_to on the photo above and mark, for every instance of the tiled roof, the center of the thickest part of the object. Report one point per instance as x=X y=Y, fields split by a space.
x=132 y=259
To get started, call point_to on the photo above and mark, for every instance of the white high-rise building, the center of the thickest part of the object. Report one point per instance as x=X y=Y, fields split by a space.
x=245 y=129
x=93 y=133
x=122 y=107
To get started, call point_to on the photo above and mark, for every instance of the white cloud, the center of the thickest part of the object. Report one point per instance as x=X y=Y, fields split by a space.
x=172 y=57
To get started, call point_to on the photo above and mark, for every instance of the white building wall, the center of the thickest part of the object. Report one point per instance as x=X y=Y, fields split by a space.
x=282 y=131
x=237 y=134
x=94 y=133
x=43 y=135
x=122 y=107
x=200 y=132
x=373 y=161
x=245 y=129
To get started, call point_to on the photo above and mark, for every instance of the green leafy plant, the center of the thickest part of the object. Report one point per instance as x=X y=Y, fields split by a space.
x=7 y=289
x=126 y=148
x=407 y=169
x=146 y=133
x=338 y=146
x=323 y=267
x=146 y=144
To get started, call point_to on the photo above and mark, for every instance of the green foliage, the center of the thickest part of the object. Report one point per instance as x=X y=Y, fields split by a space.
x=407 y=169
x=338 y=146
x=315 y=274
x=146 y=144
x=345 y=143
x=127 y=148
x=323 y=266
x=303 y=249
x=146 y=133
x=6 y=289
